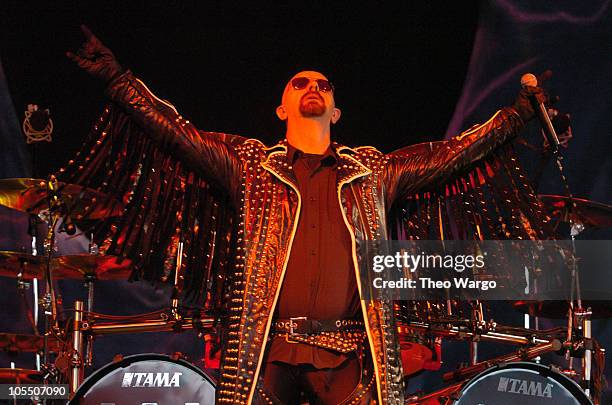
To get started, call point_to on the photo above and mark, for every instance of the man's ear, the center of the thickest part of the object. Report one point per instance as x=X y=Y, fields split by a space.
x=281 y=112
x=335 y=115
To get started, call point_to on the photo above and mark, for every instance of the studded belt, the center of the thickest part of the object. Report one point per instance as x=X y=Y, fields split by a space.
x=301 y=325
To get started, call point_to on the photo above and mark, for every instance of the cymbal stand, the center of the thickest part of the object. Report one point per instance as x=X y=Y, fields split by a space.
x=581 y=317
x=35 y=309
x=478 y=325
x=49 y=300
x=577 y=317
x=89 y=285
x=76 y=359
x=531 y=279
x=33 y=221
x=57 y=207
x=178 y=284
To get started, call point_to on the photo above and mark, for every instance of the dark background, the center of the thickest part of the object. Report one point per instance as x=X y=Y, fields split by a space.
x=398 y=69
x=404 y=74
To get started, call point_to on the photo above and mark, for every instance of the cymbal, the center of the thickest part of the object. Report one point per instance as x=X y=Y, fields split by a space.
x=29 y=266
x=30 y=195
x=102 y=267
x=77 y=267
x=588 y=213
x=559 y=309
x=20 y=376
x=11 y=342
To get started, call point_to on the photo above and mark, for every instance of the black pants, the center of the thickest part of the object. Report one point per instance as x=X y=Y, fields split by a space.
x=351 y=382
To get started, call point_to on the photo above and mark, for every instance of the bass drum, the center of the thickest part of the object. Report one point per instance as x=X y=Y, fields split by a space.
x=146 y=379
x=521 y=383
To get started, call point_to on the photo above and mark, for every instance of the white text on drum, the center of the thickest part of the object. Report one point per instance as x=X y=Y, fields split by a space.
x=151 y=380
x=525 y=387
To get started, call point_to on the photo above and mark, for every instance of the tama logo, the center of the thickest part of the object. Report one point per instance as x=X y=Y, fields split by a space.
x=525 y=387
x=151 y=380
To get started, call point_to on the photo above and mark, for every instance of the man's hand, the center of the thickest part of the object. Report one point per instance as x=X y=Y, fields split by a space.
x=95 y=58
x=524 y=102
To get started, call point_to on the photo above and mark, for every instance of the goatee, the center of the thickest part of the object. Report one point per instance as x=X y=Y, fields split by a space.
x=312 y=107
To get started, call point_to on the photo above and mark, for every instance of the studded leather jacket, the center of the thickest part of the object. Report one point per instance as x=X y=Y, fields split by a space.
x=263 y=188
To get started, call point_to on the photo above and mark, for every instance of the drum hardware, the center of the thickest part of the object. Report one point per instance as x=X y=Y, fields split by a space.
x=554 y=345
x=32 y=315
x=559 y=309
x=20 y=376
x=168 y=380
x=88 y=267
x=163 y=324
x=24 y=267
x=570 y=372
x=53 y=202
x=89 y=285
x=177 y=287
x=577 y=211
x=421 y=350
x=508 y=383
x=77 y=366
x=442 y=396
x=18 y=343
x=33 y=195
x=579 y=214
x=85 y=327
x=479 y=325
x=94 y=267
x=57 y=208
x=577 y=315
x=461 y=333
x=440 y=312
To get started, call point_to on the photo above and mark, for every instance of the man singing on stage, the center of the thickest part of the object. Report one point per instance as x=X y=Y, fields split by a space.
x=296 y=327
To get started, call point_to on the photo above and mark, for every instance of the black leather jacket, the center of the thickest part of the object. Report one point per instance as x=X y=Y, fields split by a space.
x=263 y=188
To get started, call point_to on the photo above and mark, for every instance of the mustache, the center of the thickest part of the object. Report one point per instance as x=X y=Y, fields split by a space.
x=312 y=93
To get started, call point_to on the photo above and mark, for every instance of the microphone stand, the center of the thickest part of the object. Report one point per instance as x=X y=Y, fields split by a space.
x=578 y=317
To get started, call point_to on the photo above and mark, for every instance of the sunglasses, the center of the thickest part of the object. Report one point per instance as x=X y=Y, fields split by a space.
x=300 y=83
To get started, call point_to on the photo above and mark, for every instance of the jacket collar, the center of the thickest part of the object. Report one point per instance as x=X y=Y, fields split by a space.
x=329 y=157
x=349 y=168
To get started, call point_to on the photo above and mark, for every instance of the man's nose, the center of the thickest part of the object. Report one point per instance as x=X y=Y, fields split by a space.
x=313 y=85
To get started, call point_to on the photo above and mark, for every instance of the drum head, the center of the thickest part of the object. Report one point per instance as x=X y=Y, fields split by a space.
x=521 y=384
x=147 y=379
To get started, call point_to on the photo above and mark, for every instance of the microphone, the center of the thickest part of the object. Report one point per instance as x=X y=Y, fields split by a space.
x=529 y=79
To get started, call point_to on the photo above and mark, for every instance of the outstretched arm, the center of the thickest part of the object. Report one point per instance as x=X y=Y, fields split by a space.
x=416 y=167
x=210 y=155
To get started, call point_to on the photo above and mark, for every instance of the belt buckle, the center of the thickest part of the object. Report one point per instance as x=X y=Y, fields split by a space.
x=293 y=325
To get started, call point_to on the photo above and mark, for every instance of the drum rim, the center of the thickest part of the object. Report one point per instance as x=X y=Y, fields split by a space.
x=571 y=385
x=107 y=368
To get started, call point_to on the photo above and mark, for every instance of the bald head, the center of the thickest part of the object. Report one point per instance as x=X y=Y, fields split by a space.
x=307 y=95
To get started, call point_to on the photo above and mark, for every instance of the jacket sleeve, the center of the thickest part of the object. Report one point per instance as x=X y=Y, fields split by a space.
x=210 y=155
x=431 y=165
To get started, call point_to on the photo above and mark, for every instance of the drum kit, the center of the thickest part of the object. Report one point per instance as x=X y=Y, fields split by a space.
x=64 y=350
x=499 y=380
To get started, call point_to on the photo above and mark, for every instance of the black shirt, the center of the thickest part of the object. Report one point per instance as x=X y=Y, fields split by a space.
x=320 y=279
